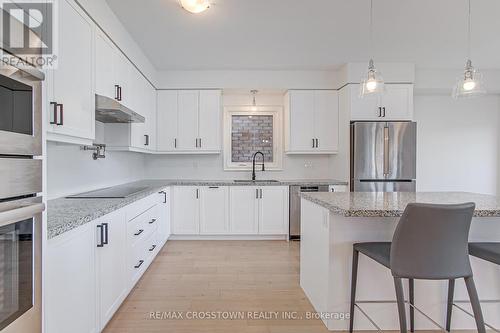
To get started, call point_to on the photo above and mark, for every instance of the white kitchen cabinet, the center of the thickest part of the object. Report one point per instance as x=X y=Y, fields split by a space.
x=209 y=120
x=111 y=264
x=187 y=137
x=396 y=103
x=311 y=122
x=70 y=93
x=167 y=120
x=70 y=289
x=106 y=81
x=273 y=210
x=143 y=135
x=189 y=121
x=186 y=210
x=214 y=210
x=244 y=210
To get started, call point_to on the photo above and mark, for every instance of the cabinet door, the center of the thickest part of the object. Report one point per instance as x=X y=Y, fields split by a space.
x=70 y=290
x=111 y=264
x=124 y=76
x=139 y=104
x=301 y=119
x=210 y=120
x=326 y=120
x=273 y=208
x=167 y=120
x=214 y=202
x=150 y=94
x=243 y=217
x=187 y=119
x=398 y=101
x=105 y=53
x=71 y=84
x=366 y=108
x=186 y=214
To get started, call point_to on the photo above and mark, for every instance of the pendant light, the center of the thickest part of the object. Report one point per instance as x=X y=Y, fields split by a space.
x=254 y=101
x=470 y=83
x=195 y=6
x=372 y=83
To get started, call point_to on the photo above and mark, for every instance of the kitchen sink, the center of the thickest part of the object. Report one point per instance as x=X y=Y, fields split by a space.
x=248 y=181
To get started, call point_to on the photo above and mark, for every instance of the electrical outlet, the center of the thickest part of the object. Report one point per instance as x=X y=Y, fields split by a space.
x=308 y=165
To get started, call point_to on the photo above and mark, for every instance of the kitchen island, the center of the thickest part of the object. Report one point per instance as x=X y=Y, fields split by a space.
x=332 y=222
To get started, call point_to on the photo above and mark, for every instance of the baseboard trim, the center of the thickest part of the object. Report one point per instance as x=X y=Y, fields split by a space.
x=227 y=237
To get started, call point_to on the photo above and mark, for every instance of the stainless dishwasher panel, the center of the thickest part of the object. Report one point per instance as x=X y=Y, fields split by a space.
x=295 y=207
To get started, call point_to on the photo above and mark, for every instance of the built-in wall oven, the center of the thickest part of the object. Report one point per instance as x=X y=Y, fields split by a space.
x=21 y=206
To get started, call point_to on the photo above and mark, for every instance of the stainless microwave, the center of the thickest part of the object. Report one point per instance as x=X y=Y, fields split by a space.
x=21 y=111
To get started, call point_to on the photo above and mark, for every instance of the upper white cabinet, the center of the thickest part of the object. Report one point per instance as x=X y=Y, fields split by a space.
x=311 y=122
x=70 y=99
x=189 y=121
x=395 y=104
x=106 y=67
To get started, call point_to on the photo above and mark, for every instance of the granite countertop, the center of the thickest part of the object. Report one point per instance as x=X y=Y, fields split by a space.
x=65 y=214
x=370 y=204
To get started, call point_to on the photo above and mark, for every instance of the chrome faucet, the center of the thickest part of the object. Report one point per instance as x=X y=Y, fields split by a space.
x=253 y=163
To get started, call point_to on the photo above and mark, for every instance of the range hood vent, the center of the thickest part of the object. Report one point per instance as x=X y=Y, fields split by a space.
x=108 y=110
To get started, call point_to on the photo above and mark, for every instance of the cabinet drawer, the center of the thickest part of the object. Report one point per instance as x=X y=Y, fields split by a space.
x=138 y=260
x=141 y=226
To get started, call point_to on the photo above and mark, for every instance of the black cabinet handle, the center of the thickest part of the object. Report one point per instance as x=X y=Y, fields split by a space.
x=139 y=264
x=384 y=111
x=379 y=111
x=317 y=143
x=200 y=142
x=152 y=248
x=175 y=143
x=61 y=114
x=314 y=142
x=197 y=193
x=119 y=93
x=139 y=232
x=101 y=234
x=117 y=88
x=213 y=187
x=54 y=113
x=256 y=193
x=146 y=136
x=165 y=196
x=152 y=221
x=260 y=190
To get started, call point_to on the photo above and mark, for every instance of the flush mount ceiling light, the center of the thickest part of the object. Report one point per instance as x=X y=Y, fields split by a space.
x=470 y=83
x=195 y=6
x=372 y=83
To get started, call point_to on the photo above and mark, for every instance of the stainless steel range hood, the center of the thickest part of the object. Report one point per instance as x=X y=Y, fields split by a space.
x=109 y=110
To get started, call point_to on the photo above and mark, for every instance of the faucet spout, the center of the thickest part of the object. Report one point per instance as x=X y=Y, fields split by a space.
x=253 y=163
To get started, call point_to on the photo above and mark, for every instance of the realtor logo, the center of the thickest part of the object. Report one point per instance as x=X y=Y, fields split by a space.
x=28 y=31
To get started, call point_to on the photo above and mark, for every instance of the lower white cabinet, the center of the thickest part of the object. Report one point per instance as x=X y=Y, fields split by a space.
x=244 y=210
x=70 y=289
x=164 y=211
x=214 y=207
x=186 y=214
x=110 y=264
x=230 y=210
x=90 y=270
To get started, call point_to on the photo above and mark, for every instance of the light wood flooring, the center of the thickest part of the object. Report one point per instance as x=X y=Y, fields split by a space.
x=191 y=276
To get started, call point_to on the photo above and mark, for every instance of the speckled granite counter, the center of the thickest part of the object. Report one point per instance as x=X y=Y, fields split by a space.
x=66 y=214
x=365 y=204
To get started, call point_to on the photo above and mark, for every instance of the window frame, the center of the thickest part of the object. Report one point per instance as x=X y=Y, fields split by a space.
x=276 y=112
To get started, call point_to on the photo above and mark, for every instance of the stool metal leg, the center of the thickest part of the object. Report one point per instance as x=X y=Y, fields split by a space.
x=354 y=278
x=400 y=297
x=411 y=289
x=449 y=309
x=476 y=306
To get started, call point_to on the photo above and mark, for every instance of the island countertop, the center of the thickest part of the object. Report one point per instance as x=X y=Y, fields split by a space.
x=372 y=204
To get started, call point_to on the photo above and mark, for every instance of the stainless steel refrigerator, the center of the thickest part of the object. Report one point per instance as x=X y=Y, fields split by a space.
x=383 y=156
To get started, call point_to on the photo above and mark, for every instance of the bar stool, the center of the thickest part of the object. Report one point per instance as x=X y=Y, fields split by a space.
x=486 y=251
x=430 y=243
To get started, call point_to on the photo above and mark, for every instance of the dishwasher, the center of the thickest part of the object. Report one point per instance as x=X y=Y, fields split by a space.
x=294 y=215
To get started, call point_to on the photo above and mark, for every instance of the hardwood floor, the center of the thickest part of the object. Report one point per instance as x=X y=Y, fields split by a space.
x=189 y=277
x=229 y=276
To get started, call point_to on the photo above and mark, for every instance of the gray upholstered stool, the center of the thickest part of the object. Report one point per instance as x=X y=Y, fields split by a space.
x=430 y=243
x=486 y=251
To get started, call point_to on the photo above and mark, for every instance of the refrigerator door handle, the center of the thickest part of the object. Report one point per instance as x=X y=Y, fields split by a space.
x=386 y=151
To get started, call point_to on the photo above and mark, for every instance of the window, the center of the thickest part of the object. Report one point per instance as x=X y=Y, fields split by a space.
x=252 y=129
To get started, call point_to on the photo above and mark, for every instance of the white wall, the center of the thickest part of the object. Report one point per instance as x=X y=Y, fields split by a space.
x=458 y=144
x=71 y=170
x=212 y=166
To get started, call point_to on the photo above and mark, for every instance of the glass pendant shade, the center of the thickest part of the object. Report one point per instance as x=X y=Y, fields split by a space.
x=373 y=83
x=195 y=6
x=470 y=84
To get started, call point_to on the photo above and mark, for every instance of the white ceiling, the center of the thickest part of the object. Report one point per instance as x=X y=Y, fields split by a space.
x=311 y=34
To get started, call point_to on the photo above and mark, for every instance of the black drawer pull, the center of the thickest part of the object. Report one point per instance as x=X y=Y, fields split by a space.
x=139 y=232
x=139 y=264
x=152 y=221
x=152 y=248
